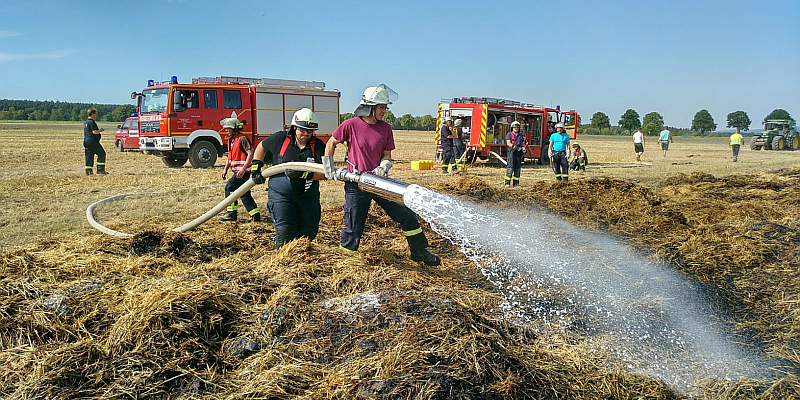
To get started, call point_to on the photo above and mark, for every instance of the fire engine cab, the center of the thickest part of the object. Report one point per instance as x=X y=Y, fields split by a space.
x=486 y=121
x=181 y=121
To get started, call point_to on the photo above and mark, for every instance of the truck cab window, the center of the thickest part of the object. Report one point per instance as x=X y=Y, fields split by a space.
x=210 y=97
x=232 y=99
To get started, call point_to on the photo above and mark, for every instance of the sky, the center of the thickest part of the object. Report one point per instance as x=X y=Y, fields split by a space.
x=672 y=57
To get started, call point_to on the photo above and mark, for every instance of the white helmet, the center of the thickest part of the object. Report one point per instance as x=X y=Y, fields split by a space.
x=380 y=94
x=306 y=119
x=232 y=123
x=559 y=125
x=515 y=123
x=575 y=144
x=458 y=122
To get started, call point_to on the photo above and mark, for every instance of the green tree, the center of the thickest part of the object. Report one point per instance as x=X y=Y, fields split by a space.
x=345 y=116
x=57 y=115
x=652 y=123
x=600 y=120
x=428 y=123
x=630 y=121
x=407 y=121
x=739 y=120
x=390 y=118
x=703 y=122
x=778 y=113
x=122 y=112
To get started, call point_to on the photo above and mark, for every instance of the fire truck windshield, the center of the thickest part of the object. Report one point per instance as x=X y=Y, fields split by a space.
x=154 y=101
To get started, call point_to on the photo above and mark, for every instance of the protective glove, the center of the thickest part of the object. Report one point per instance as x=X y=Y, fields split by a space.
x=569 y=153
x=327 y=167
x=292 y=174
x=255 y=172
x=550 y=153
x=383 y=169
x=514 y=147
x=521 y=148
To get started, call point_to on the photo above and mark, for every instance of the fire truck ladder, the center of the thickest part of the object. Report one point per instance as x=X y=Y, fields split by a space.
x=238 y=80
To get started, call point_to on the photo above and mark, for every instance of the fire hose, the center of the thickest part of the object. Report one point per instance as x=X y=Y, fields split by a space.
x=388 y=188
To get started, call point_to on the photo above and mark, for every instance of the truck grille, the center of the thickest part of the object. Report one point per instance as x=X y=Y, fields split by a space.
x=149 y=127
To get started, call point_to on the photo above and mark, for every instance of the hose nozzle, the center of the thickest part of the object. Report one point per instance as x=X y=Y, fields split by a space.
x=388 y=188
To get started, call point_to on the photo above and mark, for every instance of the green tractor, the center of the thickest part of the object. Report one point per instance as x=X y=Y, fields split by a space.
x=778 y=134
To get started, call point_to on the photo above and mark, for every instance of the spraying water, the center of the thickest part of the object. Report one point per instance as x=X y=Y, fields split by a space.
x=651 y=319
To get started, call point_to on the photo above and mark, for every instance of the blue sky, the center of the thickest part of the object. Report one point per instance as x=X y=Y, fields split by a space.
x=673 y=57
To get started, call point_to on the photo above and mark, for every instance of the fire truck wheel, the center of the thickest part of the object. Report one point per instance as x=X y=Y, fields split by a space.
x=202 y=154
x=173 y=162
x=120 y=146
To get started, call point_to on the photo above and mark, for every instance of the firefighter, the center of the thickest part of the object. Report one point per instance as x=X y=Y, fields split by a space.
x=458 y=140
x=240 y=154
x=92 y=146
x=370 y=142
x=446 y=140
x=559 y=147
x=515 y=150
x=736 y=142
x=578 y=160
x=294 y=195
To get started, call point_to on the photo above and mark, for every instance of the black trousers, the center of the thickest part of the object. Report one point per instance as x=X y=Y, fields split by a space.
x=448 y=156
x=561 y=165
x=90 y=149
x=356 y=207
x=294 y=216
x=247 y=198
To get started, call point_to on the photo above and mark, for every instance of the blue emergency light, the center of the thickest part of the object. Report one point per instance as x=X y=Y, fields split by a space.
x=150 y=82
x=174 y=79
x=455 y=99
x=558 y=107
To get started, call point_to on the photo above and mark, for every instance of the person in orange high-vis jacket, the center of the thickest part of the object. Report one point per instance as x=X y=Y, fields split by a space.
x=240 y=156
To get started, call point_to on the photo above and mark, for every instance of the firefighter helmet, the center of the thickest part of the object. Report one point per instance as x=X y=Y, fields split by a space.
x=380 y=94
x=560 y=125
x=232 y=123
x=515 y=123
x=306 y=119
x=575 y=144
x=458 y=122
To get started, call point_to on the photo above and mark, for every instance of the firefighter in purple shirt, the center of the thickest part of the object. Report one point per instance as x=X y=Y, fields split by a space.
x=370 y=142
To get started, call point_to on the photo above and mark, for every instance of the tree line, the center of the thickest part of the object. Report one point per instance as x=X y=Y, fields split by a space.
x=406 y=121
x=36 y=110
x=653 y=122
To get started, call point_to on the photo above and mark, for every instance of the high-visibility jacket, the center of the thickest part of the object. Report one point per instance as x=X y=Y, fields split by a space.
x=736 y=138
x=237 y=156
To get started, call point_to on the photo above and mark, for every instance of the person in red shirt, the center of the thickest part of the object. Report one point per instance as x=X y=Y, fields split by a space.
x=240 y=155
x=370 y=142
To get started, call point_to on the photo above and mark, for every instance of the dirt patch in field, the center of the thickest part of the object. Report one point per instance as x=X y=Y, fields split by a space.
x=216 y=313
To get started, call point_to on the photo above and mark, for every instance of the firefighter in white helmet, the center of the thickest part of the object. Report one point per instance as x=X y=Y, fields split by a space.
x=515 y=152
x=446 y=141
x=578 y=161
x=240 y=154
x=559 y=147
x=294 y=195
x=370 y=142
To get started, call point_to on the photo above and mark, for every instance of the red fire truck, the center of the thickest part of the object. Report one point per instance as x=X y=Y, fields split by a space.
x=486 y=121
x=181 y=121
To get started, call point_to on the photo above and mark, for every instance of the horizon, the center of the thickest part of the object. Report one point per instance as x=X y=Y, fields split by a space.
x=666 y=58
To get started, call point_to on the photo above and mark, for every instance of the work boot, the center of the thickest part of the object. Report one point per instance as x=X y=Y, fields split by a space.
x=255 y=217
x=101 y=170
x=638 y=158
x=516 y=183
x=426 y=257
x=88 y=171
x=444 y=170
x=228 y=216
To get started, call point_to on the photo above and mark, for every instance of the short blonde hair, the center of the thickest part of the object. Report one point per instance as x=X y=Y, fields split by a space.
x=91 y=111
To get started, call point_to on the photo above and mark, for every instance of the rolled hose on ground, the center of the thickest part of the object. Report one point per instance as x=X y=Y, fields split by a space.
x=273 y=170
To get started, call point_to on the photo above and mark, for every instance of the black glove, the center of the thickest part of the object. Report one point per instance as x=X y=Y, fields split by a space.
x=255 y=172
x=296 y=174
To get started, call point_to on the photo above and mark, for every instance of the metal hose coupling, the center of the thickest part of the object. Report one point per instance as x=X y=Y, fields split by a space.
x=388 y=188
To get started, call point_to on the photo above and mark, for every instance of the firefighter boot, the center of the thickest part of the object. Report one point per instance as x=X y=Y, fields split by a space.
x=516 y=183
x=101 y=169
x=417 y=244
x=255 y=217
x=89 y=171
x=228 y=216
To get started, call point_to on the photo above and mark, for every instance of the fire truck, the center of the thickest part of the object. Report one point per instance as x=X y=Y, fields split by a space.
x=486 y=121
x=181 y=122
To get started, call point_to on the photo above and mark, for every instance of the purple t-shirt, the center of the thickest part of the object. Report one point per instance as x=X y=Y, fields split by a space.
x=366 y=143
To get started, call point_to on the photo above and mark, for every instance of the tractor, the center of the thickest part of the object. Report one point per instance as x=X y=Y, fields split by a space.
x=778 y=134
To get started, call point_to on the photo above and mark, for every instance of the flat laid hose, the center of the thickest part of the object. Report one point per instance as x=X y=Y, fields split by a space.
x=273 y=170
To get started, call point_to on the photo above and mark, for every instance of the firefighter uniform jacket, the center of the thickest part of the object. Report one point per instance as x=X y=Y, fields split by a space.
x=237 y=155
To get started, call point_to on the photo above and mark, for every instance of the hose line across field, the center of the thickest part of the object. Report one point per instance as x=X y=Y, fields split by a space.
x=273 y=170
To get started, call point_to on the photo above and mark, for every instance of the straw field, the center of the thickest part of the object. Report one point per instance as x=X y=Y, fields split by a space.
x=217 y=314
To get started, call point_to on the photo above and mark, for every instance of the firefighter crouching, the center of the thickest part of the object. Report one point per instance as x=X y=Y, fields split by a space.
x=370 y=142
x=294 y=195
x=448 y=153
x=578 y=161
x=515 y=140
x=559 y=147
x=240 y=154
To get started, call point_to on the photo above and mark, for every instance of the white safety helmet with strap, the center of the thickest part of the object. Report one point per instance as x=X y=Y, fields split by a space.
x=232 y=123
x=515 y=123
x=306 y=119
x=560 y=125
x=373 y=96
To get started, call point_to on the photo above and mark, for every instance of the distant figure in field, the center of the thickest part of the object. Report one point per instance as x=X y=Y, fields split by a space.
x=578 y=161
x=91 y=144
x=736 y=142
x=638 y=144
x=665 y=137
x=458 y=139
x=515 y=145
x=446 y=140
x=559 y=145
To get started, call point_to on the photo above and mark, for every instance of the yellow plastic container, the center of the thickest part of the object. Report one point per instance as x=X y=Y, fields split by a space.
x=417 y=165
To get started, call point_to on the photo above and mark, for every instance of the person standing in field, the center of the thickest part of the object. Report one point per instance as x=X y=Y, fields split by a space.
x=515 y=150
x=458 y=139
x=665 y=137
x=92 y=146
x=559 y=143
x=240 y=155
x=370 y=142
x=736 y=142
x=638 y=144
x=446 y=140
x=294 y=195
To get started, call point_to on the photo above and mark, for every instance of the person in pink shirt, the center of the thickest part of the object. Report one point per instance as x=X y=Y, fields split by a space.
x=370 y=142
